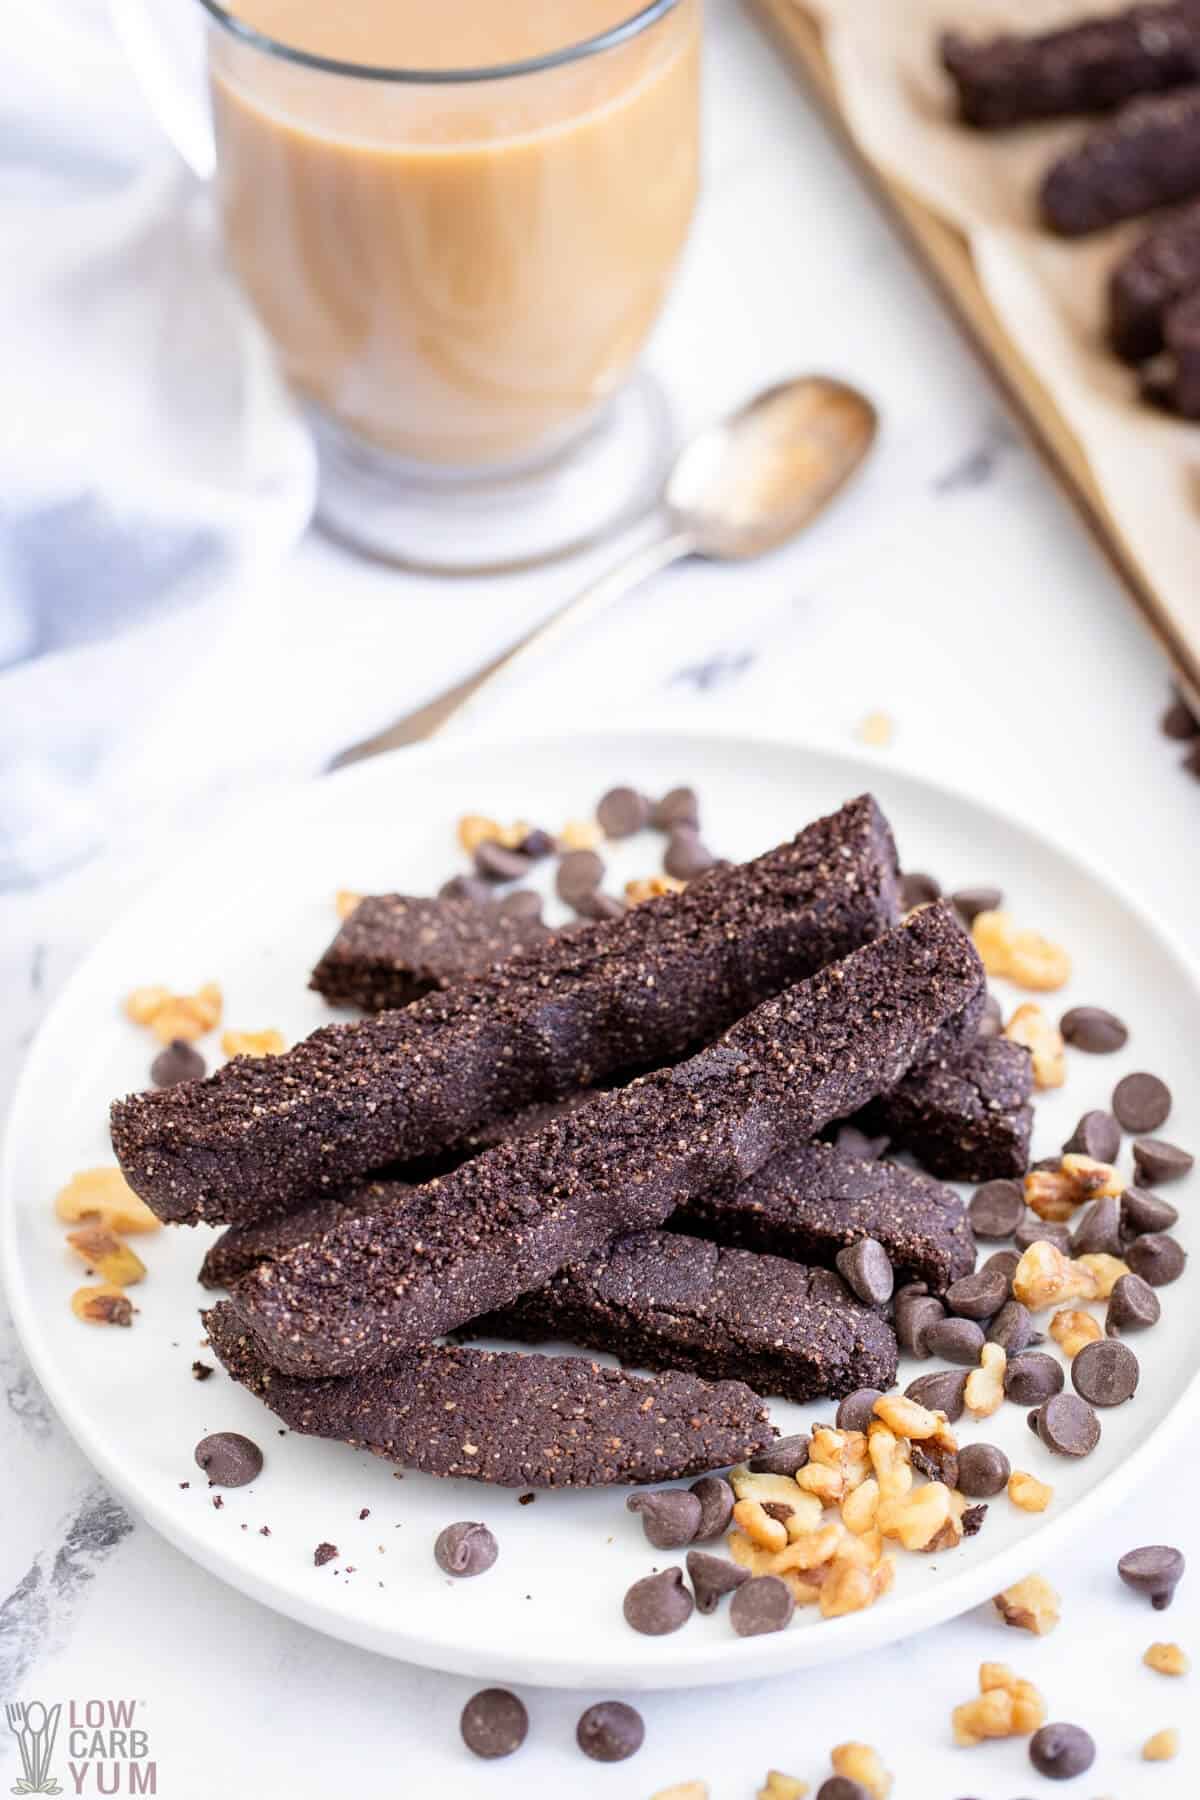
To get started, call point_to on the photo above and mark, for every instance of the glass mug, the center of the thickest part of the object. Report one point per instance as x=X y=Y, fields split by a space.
x=458 y=267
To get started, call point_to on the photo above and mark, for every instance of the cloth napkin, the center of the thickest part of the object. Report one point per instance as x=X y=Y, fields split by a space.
x=153 y=474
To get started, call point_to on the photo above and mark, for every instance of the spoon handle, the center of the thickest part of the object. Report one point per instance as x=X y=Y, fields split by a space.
x=646 y=560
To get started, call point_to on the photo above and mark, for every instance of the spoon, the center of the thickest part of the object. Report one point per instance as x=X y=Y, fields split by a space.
x=744 y=486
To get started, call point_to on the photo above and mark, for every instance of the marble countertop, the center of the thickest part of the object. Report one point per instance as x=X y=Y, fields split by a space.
x=954 y=591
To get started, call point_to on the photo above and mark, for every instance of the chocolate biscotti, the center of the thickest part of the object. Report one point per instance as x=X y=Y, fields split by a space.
x=1162 y=267
x=671 y=1302
x=393 y=948
x=966 y=1117
x=1147 y=156
x=1172 y=379
x=1090 y=66
x=511 y=1419
x=474 y=1240
x=266 y=1134
x=810 y=1202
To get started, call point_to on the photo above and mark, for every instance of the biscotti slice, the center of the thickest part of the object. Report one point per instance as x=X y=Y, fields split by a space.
x=1162 y=267
x=510 y=1419
x=966 y=1117
x=669 y=1302
x=809 y=1203
x=475 y=1239
x=395 y=947
x=1089 y=66
x=1172 y=379
x=266 y=1134
x=1147 y=156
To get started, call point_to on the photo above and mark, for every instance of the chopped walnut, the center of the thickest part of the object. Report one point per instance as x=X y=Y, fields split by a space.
x=1027 y=1492
x=104 y=1197
x=1030 y=1605
x=751 y=1484
x=877 y=729
x=102 y=1304
x=1071 y=1329
x=1050 y=1194
x=474 y=830
x=1005 y=1707
x=171 y=1016
x=804 y=1586
x=782 y=1787
x=580 y=834
x=1106 y=1269
x=891 y=1459
x=1167 y=1659
x=345 y=901
x=252 y=1043
x=1163 y=1746
x=1024 y=957
x=859 y=1507
x=652 y=887
x=752 y=1517
x=850 y=1587
x=116 y=1263
x=809 y=1551
x=1032 y=1027
x=837 y=1463
x=1045 y=1277
x=1095 y=1180
x=919 y=1517
x=859 y=1762
x=984 y=1392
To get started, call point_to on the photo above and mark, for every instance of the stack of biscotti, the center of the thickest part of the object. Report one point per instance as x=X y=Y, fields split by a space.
x=339 y=1328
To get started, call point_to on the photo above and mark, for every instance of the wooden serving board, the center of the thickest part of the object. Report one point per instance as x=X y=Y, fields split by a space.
x=946 y=258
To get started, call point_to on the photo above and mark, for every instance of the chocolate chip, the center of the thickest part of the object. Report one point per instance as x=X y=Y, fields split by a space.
x=324 y=1553
x=202 y=1370
x=764 y=1603
x=1179 y=722
x=856 y=1411
x=1061 y=1751
x=465 y=1548
x=1141 y=1102
x=1133 y=1305
x=522 y=903
x=850 y=1141
x=1154 y=1570
x=1012 y=1328
x=229 y=1459
x=992 y=1022
x=679 y=807
x=610 y=1731
x=1033 y=1230
x=685 y=856
x=1105 y=1373
x=580 y=872
x=178 y=1062
x=913 y=1314
x=983 y=1470
x=996 y=1209
x=597 y=905
x=670 y=1518
x=957 y=1340
x=1093 y=1029
x=970 y=902
x=1099 y=1229
x=658 y=1603
x=716 y=1499
x=941 y=1391
x=918 y=890
x=465 y=887
x=537 y=844
x=1006 y=1261
x=1155 y=1160
x=496 y=862
x=840 y=1787
x=978 y=1296
x=865 y=1269
x=1097 y=1135
x=712 y=1577
x=1032 y=1378
x=1157 y=1258
x=1067 y=1425
x=783 y=1457
x=622 y=811
x=1142 y=1211
x=494 y=1723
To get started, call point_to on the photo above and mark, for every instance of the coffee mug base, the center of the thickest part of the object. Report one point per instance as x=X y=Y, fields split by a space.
x=450 y=523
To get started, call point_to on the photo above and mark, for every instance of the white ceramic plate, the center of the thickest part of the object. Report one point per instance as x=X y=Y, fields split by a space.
x=253 y=910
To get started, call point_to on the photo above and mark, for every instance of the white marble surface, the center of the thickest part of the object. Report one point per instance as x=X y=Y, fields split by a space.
x=954 y=591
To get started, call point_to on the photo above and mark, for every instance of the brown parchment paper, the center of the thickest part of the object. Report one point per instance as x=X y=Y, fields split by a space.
x=1049 y=295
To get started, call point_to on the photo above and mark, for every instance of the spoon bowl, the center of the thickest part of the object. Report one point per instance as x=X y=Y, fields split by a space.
x=749 y=483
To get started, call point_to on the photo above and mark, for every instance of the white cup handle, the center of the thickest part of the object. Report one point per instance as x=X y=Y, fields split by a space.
x=164 y=41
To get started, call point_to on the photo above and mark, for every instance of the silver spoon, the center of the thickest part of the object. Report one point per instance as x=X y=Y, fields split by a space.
x=742 y=487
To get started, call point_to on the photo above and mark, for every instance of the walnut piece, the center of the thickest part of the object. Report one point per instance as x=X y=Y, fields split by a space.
x=1032 y=1027
x=860 y=1506
x=1045 y=1277
x=1163 y=1746
x=474 y=830
x=582 y=834
x=752 y=1517
x=861 y=1763
x=1027 y=1492
x=917 y=1518
x=117 y=1264
x=782 y=1787
x=891 y=1459
x=652 y=887
x=1005 y=1707
x=345 y=901
x=1071 y=1329
x=1030 y=1605
x=1024 y=957
x=850 y=1587
x=252 y=1043
x=104 y=1197
x=102 y=1304
x=1167 y=1659
x=984 y=1392
x=171 y=1016
x=1107 y=1271
x=1095 y=1180
x=877 y=729
x=908 y=1420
